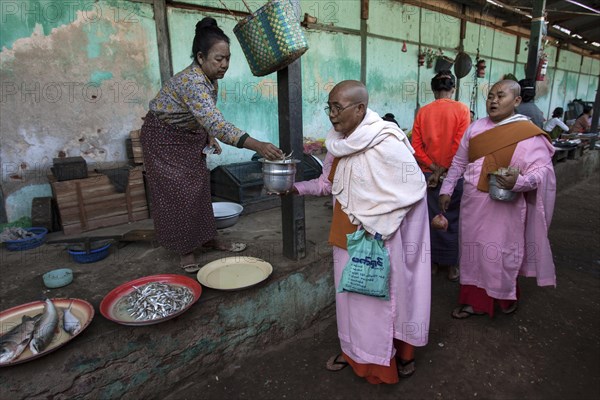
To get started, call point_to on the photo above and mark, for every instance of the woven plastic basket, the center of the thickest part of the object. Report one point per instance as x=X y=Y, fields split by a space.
x=271 y=37
x=36 y=240
x=94 y=255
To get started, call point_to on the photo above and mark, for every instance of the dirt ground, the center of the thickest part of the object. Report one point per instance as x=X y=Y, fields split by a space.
x=548 y=349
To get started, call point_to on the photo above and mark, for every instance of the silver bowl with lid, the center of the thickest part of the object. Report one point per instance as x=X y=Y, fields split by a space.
x=279 y=176
x=499 y=194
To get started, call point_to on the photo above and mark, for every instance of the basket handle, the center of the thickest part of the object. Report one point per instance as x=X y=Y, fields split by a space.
x=246 y=4
x=244 y=1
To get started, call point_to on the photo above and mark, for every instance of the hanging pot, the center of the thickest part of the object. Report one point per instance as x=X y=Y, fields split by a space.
x=421 y=59
x=462 y=65
x=443 y=63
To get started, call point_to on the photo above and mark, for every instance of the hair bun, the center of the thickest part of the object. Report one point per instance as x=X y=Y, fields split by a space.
x=206 y=22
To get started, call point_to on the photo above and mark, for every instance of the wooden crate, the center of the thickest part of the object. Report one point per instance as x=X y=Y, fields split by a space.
x=93 y=202
x=136 y=147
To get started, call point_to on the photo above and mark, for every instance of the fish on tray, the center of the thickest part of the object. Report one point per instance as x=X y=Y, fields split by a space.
x=71 y=324
x=45 y=328
x=13 y=342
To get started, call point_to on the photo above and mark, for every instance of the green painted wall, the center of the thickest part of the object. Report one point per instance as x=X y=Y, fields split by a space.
x=341 y=13
x=109 y=47
x=569 y=61
x=395 y=20
x=335 y=58
x=392 y=86
x=439 y=30
x=247 y=101
x=21 y=18
x=505 y=46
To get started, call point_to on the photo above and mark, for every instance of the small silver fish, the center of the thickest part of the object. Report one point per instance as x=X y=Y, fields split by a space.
x=13 y=342
x=45 y=328
x=71 y=324
x=157 y=300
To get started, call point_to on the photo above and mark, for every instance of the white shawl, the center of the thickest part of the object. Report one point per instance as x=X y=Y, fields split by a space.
x=377 y=179
x=514 y=118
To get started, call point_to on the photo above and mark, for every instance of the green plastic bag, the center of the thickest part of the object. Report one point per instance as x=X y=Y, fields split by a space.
x=368 y=269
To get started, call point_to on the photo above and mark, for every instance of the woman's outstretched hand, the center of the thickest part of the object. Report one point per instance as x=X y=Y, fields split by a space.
x=269 y=151
x=265 y=149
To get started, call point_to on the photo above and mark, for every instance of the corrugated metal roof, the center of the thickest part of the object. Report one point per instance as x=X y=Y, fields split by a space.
x=575 y=22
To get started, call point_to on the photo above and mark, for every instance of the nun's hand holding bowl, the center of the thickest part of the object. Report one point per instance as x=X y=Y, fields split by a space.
x=508 y=180
x=292 y=191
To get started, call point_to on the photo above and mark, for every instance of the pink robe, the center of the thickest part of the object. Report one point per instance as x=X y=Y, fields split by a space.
x=500 y=240
x=367 y=325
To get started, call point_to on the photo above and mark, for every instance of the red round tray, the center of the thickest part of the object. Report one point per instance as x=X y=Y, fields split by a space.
x=108 y=309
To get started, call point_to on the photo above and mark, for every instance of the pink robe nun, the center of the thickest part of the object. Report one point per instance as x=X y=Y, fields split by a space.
x=501 y=240
x=368 y=325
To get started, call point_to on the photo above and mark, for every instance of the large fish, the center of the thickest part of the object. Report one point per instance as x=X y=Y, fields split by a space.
x=13 y=342
x=71 y=324
x=45 y=328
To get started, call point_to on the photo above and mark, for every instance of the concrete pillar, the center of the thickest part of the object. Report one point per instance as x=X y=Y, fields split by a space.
x=535 y=38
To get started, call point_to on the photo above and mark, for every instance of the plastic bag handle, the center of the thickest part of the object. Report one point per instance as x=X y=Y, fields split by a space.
x=376 y=236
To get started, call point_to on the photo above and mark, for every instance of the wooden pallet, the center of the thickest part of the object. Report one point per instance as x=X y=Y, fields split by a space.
x=93 y=202
x=136 y=147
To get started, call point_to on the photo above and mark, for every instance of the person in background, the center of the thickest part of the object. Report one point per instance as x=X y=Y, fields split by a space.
x=376 y=184
x=555 y=126
x=390 y=118
x=583 y=122
x=437 y=131
x=183 y=120
x=527 y=106
x=472 y=116
x=501 y=240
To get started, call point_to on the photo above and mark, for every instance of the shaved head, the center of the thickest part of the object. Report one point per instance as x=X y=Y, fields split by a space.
x=347 y=106
x=353 y=91
x=502 y=100
x=509 y=85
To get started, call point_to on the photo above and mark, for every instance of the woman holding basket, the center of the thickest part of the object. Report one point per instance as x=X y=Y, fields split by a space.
x=182 y=121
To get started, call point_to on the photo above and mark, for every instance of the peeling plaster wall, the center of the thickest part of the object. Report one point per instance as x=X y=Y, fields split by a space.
x=75 y=77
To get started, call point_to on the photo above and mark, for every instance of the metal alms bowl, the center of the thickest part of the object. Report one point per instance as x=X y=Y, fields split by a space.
x=279 y=175
x=499 y=194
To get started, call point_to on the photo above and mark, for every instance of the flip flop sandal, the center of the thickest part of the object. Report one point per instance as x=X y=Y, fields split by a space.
x=406 y=368
x=336 y=363
x=453 y=274
x=237 y=247
x=464 y=311
x=190 y=268
x=511 y=309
